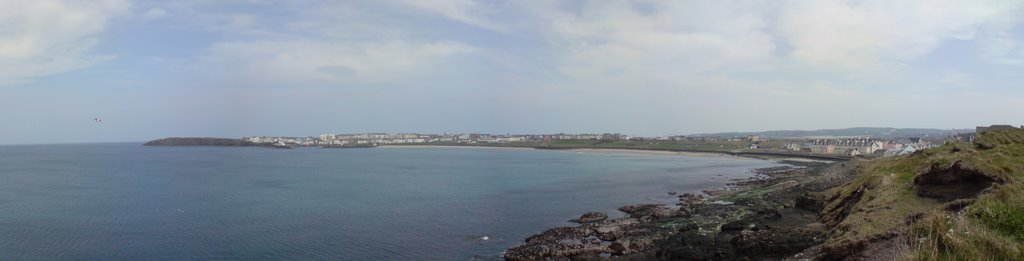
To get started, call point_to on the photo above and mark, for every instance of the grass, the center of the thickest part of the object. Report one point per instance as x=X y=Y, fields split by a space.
x=1003 y=211
x=992 y=228
x=958 y=236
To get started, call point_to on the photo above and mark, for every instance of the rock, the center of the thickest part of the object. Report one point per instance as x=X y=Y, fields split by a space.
x=618 y=248
x=765 y=229
x=672 y=193
x=691 y=245
x=608 y=232
x=691 y=199
x=775 y=243
x=591 y=217
x=737 y=225
x=646 y=212
x=688 y=226
x=767 y=213
x=810 y=201
x=557 y=242
x=556 y=234
x=787 y=204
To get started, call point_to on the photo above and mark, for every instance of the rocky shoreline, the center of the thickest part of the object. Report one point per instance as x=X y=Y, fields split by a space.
x=772 y=215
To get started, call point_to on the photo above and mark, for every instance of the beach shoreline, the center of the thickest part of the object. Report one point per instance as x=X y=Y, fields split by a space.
x=654 y=151
x=623 y=151
x=436 y=146
x=701 y=227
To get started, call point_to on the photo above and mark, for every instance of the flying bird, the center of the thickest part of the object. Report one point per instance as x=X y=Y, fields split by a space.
x=97 y=120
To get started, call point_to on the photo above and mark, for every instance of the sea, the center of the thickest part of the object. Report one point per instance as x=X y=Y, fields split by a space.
x=125 y=201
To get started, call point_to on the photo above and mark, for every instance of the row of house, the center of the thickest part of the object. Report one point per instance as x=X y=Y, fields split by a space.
x=414 y=138
x=861 y=146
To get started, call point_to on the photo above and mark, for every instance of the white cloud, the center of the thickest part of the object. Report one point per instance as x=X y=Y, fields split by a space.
x=666 y=40
x=748 y=58
x=319 y=61
x=45 y=37
x=870 y=32
x=154 y=13
x=335 y=43
x=466 y=11
x=1002 y=48
x=671 y=43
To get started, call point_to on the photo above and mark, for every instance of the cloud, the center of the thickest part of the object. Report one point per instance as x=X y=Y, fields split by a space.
x=1002 y=48
x=334 y=43
x=659 y=39
x=671 y=44
x=154 y=13
x=46 y=37
x=270 y=62
x=873 y=32
x=469 y=12
x=680 y=59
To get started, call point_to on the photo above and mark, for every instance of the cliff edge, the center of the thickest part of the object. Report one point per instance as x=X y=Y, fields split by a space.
x=960 y=201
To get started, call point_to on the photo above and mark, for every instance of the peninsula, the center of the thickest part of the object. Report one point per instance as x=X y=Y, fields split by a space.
x=194 y=141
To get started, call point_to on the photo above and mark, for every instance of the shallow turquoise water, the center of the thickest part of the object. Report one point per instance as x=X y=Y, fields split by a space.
x=126 y=201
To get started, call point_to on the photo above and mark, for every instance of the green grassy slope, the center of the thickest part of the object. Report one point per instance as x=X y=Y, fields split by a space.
x=882 y=206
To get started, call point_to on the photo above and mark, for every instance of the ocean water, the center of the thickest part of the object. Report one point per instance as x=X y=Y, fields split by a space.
x=127 y=201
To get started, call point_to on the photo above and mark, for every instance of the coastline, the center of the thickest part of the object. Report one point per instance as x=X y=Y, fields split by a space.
x=780 y=156
x=625 y=151
x=439 y=146
x=758 y=154
x=768 y=216
x=655 y=152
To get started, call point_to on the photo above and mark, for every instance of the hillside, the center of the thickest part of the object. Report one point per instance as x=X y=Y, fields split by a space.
x=860 y=131
x=958 y=201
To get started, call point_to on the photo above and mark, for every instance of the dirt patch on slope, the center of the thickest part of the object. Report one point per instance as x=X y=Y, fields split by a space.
x=953 y=182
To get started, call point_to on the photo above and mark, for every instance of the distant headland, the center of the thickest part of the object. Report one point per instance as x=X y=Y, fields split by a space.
x=194 y=141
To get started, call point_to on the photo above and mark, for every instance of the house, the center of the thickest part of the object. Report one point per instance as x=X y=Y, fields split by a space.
x=793 y=147
x=880 y=153
x=968 y=137
x=906 y=150
x=875 y=146
x=854 y=152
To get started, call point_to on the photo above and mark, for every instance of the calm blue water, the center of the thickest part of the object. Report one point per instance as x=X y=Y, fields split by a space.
x=126 y=201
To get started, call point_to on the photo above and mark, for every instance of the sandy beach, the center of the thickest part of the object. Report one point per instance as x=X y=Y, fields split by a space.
x=655 y=152
x=587 y=150
x=453 y=147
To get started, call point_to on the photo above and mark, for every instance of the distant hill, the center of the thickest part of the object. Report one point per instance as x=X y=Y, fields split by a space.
x=200 y=142
x=859 y=131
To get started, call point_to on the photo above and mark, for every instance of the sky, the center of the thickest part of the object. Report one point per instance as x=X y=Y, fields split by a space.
x=233 y=68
